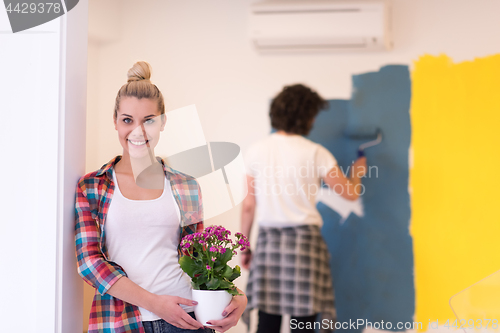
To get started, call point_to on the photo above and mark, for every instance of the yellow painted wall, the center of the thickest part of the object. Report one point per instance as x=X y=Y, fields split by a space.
x=455 y=180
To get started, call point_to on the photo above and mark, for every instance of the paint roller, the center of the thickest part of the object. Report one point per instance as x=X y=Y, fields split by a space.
x=374 y=137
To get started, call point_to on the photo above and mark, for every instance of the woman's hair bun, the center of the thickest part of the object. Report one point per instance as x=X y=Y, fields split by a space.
x=140 y=86
x=140 y=71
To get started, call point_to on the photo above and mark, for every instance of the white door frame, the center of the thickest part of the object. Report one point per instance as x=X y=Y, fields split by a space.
x=71 y=163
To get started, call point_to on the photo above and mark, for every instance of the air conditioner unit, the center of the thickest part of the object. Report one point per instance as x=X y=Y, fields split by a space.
x=283 y=25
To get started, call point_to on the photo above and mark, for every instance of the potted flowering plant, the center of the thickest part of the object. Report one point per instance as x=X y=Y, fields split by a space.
x=205 y=260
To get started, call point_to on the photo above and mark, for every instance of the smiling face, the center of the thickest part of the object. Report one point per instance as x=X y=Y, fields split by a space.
x=139 y=124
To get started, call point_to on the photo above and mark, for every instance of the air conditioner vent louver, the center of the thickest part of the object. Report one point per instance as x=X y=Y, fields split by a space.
x=347 y=10
x=320 y=25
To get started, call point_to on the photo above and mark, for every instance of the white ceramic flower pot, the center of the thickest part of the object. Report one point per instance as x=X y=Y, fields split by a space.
x=211 y=304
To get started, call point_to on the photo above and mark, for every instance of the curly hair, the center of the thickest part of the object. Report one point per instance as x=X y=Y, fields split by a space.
x=294 y=109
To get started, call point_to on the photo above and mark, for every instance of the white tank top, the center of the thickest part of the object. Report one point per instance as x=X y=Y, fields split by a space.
x=142 y=236
x=287 y=170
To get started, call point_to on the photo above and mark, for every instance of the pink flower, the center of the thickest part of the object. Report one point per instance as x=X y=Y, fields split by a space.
x=208 y=267
x=213 y=258
x=213 y=249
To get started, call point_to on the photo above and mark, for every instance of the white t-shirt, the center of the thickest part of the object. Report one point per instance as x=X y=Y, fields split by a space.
x=287 y=171
x=142 y=236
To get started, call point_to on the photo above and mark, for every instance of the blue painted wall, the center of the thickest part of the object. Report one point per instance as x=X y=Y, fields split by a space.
x=372 y=256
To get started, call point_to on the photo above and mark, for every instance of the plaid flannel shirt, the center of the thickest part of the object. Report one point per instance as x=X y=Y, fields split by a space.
x=93 y=197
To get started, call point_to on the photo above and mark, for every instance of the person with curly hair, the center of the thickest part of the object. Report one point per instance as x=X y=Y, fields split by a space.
x=289 y=269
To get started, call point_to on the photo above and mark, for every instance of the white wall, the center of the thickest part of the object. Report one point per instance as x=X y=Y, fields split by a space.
x=71 y=153
x=31 y=116
x=200 y=54
x=42 y=103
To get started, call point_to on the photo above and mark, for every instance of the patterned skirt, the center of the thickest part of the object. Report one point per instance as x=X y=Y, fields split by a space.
x=290 y=273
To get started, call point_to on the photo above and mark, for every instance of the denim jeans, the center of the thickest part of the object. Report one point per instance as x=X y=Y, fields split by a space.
x=161 y=326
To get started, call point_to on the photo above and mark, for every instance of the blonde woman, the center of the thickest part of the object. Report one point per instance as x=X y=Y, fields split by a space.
x=130 y=217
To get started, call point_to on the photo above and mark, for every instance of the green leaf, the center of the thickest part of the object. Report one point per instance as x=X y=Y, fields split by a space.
x=236 y=273
x=234 y=292
x=224 y=284
x=203 y=279
x=189 y=266
x=226 y=257
x=228 y=271
x=196 y=286
x=213 y=284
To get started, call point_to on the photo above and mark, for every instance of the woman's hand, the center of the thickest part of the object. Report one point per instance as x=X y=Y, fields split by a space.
x=359 y=168
x=232 y=313
x=168 y=308
x=246 y=259
x=349 y=188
